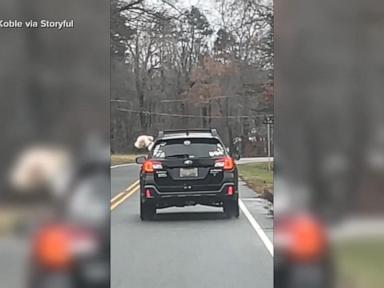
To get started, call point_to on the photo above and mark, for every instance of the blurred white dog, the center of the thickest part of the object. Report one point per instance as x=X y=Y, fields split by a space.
x=40 y=166
x=144 y=141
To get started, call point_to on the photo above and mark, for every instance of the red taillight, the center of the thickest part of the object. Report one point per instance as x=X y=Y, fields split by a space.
x=57 y=245
x=302 y=238
x=148 y=193
x=149 y=166
x=226 y=163
x=52 y=247
x=230 y=190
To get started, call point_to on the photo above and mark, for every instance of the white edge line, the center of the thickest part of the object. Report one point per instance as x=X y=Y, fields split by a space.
x=268 y=244
x=123 y=165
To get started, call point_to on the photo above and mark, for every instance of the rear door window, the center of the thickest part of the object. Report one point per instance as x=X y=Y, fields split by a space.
x=188 y=148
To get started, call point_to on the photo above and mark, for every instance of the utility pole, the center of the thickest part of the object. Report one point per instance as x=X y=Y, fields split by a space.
x=268 y=121
x=227 y=122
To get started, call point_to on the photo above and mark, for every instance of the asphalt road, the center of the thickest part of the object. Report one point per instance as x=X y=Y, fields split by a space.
x=185 y=247
x=188 y=247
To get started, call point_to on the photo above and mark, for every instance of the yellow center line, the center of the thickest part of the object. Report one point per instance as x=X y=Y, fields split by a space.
x=122 y=196
x=124 y=192
x=117 y=203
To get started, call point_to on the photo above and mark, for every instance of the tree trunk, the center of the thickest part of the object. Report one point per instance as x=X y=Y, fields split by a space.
x=204 y=113
x=139 y=85
x=209 y=113
x=228 y=124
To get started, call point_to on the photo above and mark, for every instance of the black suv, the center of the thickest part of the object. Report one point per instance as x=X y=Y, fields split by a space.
x=188 y=167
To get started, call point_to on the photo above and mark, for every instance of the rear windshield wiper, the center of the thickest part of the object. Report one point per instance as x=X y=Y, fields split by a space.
x=178 y=156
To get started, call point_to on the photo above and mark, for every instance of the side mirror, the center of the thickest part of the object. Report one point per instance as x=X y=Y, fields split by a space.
x=236 y=156
x=140 y=159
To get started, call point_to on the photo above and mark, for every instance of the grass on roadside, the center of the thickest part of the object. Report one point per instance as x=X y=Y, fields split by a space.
x=360 y=263
x=117 y=159
x=257 y=176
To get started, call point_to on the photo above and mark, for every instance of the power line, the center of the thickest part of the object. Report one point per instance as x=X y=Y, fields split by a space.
x=176 y=100
x=204 y=101
x=190 y=115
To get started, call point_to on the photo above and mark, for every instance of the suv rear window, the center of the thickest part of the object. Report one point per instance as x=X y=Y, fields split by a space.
x=188 y=148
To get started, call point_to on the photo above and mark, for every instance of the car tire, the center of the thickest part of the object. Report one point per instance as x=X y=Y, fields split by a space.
x=231 y=209
x=147 y=211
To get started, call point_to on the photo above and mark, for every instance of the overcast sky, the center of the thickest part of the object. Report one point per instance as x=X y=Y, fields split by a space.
x=208 y=7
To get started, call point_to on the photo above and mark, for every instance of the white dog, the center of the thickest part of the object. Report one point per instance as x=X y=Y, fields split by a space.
x=144 y=141
x=40 y=166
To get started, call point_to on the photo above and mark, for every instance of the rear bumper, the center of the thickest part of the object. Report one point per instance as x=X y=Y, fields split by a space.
x=189 y=193
x=183 y=198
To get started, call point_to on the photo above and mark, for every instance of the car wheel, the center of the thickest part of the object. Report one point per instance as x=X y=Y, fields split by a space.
x=237 y=214
x=231 y=209
x=147 y=211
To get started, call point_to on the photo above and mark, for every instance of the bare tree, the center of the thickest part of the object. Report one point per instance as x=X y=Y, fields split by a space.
x=182 y=71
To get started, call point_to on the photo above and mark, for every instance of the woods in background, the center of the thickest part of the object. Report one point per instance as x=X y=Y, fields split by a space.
x=179 y=66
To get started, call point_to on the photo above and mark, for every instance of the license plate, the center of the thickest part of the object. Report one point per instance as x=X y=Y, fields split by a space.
x=188 y=172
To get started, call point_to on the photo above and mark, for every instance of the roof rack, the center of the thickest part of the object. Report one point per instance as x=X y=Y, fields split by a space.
x=211 y=131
